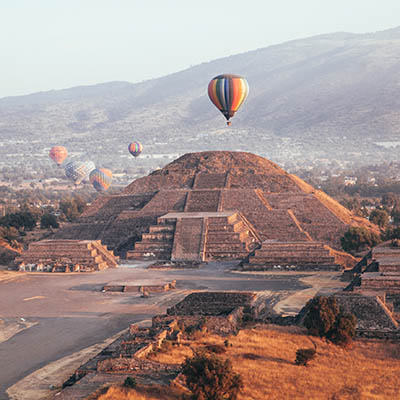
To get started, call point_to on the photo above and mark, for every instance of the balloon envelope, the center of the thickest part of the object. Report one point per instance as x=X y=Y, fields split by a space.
x=77 y=171
x=228 y=92
x=58 y=154
x=101 y=179
x=135 y=148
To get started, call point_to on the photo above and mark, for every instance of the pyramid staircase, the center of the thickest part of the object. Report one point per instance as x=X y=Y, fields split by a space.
x=88 y=254
x=229 y=237
x=157 y=244
x=198 y=236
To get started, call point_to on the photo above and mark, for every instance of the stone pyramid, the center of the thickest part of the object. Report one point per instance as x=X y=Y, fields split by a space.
x=210 y=205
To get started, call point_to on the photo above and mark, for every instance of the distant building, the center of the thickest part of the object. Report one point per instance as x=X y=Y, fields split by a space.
x=350 y=180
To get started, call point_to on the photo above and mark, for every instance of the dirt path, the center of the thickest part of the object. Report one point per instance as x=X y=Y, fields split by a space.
x=325 y=284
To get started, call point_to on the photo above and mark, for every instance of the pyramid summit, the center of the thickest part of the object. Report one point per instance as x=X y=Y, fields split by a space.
x=214 y=205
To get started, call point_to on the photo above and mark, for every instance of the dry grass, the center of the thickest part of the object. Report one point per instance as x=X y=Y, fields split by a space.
x=141 y=393
x=265 y=355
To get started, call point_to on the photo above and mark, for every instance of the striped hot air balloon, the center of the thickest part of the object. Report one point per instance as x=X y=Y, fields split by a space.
x=58 y=154
x=135 y=148
x=228 y=92
x=77 y=171
x=101 y=179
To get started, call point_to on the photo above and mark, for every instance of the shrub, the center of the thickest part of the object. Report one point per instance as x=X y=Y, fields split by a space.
x=130 y=382
x=321 y=315
x=344 y=329
x=48 y=220
x=379 y=217
x=215 y=348
x=356 y=238
x=325 y=318
x=209 y=377
x=303 y=356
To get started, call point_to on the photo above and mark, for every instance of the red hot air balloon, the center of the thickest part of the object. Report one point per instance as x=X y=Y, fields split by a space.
x=135 y=148
x=58 y=154
x=228 y=92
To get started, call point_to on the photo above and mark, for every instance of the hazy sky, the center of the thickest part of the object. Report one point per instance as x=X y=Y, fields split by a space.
x=55 y=44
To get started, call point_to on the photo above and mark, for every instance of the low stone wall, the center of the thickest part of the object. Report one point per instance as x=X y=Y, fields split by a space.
x=146 y=288
x=220 y=325
x=120 y=364
x=370 y=311
x=212 y=303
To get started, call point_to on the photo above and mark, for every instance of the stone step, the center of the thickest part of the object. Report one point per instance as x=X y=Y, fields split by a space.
x=301 y=253
x=138 y=255
x=69 y=254
x=161 y=228
x=153 y=246
x=221 y=220
x=238 y=246
x=225 y=237
x=291 y=260
x=159 y=236
x=291 y=245
x=61 y=246
x=225 y=254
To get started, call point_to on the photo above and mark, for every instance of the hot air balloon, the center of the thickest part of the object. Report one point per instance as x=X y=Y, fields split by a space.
x=58 y=154
x=77 y=171
x=228 y=92
x=101 y=179
x=135 y=148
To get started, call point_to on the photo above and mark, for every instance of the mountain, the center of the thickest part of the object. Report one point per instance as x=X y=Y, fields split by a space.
x=277 y=205
x=332 y=95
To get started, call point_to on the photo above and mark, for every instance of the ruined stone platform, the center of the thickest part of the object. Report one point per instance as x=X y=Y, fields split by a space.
x=67 y=256
x=292 y=256
x=141 y=287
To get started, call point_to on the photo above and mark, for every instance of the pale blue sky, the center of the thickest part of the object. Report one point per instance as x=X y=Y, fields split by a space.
x=55 y=44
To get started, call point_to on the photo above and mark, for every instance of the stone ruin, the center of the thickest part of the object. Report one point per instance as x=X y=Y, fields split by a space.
x=220 y=205
x=139 y=287
x=66 y=256
x=216 y=312
x=377 y=276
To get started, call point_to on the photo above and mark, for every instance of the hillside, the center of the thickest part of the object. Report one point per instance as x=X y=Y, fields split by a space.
x=328 y=96
x=264 y=356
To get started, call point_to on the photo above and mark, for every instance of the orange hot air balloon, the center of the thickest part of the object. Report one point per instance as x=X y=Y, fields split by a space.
x=58 y=154
x=228 y=92
x=101 y=179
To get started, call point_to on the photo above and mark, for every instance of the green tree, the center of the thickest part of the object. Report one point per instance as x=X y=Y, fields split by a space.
x=19 y=220
x=211 y=378
x=395 y=214
x=379 y=217
x=357 y=238
x=71 y=209
x=48 y=221
x=325 y=318
x=321 y=315
x=389 y=199
x=344 y=329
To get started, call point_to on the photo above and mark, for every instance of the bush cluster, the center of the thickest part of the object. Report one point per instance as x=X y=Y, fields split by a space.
x=325 y=318
x=209 y=377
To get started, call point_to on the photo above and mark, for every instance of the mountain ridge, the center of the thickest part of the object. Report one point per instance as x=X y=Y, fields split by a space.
x=329 y=95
